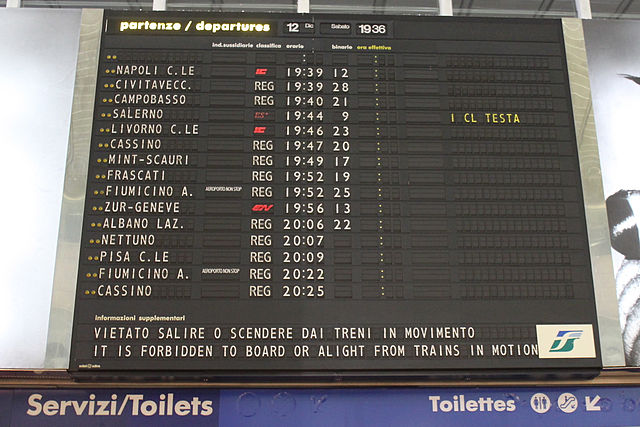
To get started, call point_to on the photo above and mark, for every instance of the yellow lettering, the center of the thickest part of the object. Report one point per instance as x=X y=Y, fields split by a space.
x=150 y=25
x=201 y=26
x=469 y=118
x=502 y=118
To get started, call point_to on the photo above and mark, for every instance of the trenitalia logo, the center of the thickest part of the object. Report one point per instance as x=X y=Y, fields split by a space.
x=564 y=341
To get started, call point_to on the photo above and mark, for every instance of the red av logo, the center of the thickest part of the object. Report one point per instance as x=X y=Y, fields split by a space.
x=261 y=208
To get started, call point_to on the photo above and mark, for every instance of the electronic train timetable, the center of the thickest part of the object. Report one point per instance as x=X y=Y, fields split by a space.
x=332 y=194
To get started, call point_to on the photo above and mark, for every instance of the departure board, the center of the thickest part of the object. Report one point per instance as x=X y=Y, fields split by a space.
x=333 y=195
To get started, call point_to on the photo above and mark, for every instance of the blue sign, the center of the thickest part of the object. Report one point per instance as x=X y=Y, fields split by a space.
x=431 y=406
x=584 y=406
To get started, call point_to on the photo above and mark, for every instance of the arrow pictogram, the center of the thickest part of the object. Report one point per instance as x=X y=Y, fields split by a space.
x=592 y=405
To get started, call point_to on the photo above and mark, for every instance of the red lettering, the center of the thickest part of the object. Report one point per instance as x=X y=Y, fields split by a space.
x=259 y=129
x=261 y=208
x=261 y=71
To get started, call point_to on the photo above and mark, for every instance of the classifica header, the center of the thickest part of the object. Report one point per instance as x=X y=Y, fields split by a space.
x=202 y=26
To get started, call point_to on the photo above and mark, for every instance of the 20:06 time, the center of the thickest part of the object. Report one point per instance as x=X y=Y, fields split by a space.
x=311 y=291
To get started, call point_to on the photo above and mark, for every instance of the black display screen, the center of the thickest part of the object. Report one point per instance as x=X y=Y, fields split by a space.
x=325 y=193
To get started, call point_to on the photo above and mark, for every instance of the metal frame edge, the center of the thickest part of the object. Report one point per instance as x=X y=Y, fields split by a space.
x=595 y=210
x=75 y=182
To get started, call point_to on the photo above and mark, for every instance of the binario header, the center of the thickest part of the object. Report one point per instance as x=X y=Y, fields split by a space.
x=193 y=27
